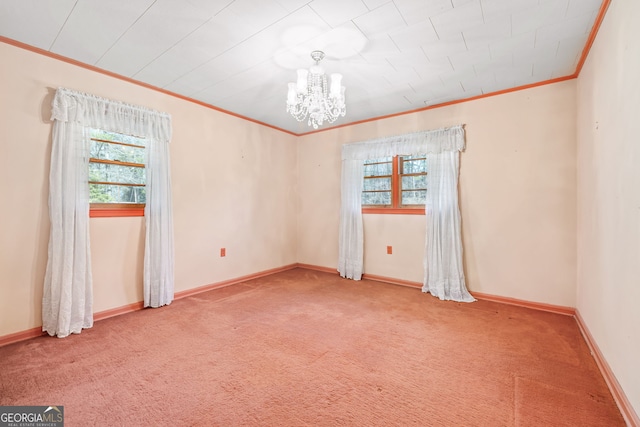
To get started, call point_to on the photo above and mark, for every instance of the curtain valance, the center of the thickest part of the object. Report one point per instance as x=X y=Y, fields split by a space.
x=115 y=116
x=425 y=142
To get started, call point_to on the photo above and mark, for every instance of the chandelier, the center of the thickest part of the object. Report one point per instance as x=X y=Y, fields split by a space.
x=311 y=97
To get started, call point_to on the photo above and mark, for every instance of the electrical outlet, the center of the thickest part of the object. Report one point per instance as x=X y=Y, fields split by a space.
x=223 y=252
x=389 y=250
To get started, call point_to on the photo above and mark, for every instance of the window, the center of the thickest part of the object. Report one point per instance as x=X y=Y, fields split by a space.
x=116 y=174
x=395 y=185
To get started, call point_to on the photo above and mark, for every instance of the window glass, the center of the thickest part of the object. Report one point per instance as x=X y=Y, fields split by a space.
x=413 y=180
x=395 y=183
x=377 y=186
x=116 y=169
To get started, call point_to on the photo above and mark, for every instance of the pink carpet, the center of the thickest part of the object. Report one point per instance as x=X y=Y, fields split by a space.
x=304 y=348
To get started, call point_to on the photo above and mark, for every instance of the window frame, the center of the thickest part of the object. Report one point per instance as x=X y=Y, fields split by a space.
x=396 y=207
x=103 y=210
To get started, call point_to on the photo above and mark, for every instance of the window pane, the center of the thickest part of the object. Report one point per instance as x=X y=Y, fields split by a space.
x=115 y=173
x=99 y=193
x=414 y=182
x=378 y=167
x=414 y=164
x=117 y=137
x=371 y=184
x=414 y=197
x=122 y=153
x=378 y=198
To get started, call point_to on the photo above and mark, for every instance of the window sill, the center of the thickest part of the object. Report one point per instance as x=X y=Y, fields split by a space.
x=115 y=212
x=393 y=211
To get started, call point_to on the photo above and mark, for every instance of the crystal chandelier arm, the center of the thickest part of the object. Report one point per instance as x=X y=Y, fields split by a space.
x=291 y=95
x=312 y=97
x=336 y=81
x=302 y=80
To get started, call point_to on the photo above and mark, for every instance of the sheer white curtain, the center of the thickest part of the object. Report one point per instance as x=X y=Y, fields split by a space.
x=158 y=254
x=350 y=247
x=443 y=253
x=443 y=269
x=67 y=296
x=67 y=299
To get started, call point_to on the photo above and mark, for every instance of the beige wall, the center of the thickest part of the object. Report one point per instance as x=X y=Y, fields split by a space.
x=233 y=186
x=517 y=195
x=608 y=132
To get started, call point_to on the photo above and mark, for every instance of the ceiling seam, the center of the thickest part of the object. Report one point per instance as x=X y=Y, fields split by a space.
x=63 y=25
x=125 y=32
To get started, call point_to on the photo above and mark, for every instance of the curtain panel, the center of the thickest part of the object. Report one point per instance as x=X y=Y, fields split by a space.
x=351 y=241
x=67 y=295
x=443 y=267
x=444 y=276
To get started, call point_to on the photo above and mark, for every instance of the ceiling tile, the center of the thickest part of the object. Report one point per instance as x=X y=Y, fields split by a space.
x=470 y=58
x=220 y=34
x=500 y=62
x=434 y=68
x=345 y=41
x=415 y=35
x=379 y=49
x=408 y=58
x=401 y=76
x=580 y=7
x=253 y=81
x=512 y=44
x=447 y=94
x=337 y=12
x=496 y=8
x=458 y=19
x=149 y=37
x=518 y=75
x=493 y=30
x=544 y=69
x=208 y=41
x=570 y=50
x=579 y=25
x=34 y=22
x=457 y=3
x=199 y=79
x=382 y=19
x=252 y=19
x=374 y=4
x=532 y=18
x=384 y=105
x=210 y=7
x=368 y=82
x=292 y=5
x=538 y=53
x=297 y=28
x=415 y=11
x=457 y=77
x=444 y=47
x=94 y=26
x=482 y=83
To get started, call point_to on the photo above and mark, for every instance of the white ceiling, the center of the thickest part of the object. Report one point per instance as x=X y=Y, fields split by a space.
x=239 y=55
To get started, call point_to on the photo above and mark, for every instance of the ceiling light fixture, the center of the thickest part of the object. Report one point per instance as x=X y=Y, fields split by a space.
x=312 y=97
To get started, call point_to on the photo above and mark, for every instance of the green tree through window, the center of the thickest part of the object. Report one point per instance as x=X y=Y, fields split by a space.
x=398 y=182
x=116 y=169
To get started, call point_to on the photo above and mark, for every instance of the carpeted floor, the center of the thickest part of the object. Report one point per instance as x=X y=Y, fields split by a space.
x=304 y=348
